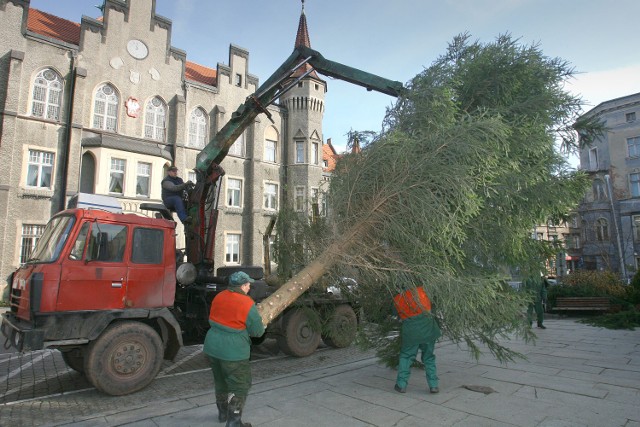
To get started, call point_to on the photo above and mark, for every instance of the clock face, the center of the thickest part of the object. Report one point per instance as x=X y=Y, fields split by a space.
x=137 y=49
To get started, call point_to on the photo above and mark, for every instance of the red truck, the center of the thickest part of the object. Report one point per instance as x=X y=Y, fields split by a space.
x=115 y=296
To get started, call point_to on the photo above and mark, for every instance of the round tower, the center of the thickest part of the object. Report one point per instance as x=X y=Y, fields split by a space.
x=303 y=139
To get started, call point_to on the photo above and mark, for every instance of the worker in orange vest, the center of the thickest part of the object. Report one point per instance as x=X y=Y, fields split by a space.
x=233 y=318
x=419 y=331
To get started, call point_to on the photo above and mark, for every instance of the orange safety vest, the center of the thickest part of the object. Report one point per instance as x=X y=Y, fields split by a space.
x=407 y=306
x=231 y=309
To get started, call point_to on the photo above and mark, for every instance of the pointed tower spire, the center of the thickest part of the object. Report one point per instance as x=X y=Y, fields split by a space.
x=302 y=39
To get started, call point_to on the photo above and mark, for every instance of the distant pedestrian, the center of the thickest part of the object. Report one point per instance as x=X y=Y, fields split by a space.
x=172 y=187
x=234 y=318
x=536 y=287
x=419 y=331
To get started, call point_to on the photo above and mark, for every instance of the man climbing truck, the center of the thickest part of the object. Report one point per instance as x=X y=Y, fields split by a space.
x=112 y=293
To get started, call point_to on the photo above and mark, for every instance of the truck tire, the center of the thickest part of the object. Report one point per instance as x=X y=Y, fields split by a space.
x=74 y=359
x=125 y=358
x=341 y=327
x=299 y=338
x=255 y=272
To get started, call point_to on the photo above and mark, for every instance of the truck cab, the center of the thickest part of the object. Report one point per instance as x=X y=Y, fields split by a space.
x=90 y=260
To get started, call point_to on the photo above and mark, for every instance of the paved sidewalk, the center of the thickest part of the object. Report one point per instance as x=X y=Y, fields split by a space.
x=575 y=375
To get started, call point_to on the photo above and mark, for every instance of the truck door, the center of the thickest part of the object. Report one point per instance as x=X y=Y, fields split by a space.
x=95 y=277
x=150 y=280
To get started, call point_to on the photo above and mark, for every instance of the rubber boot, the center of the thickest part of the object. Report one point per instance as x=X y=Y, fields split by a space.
x=223 y=406
x=234 y=415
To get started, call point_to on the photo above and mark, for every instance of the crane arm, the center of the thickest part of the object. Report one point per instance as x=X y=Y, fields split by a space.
x=200 y=237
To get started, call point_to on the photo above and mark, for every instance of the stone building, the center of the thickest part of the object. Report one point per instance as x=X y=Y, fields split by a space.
x=609 y=216
x=106 y=105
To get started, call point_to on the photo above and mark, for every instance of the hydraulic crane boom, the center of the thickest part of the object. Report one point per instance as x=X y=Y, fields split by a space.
x=201 y=236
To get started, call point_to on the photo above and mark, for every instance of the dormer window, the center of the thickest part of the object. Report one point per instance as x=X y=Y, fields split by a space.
x=239 y=80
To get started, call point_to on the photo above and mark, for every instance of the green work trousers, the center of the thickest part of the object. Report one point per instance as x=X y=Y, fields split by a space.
x=231 y=376
x=537 y=307
x=408 y=355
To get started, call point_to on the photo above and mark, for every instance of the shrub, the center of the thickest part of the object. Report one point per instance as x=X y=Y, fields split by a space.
x=588 y=283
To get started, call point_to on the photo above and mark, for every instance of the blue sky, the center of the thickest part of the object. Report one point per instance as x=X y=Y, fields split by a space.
x=398 y=39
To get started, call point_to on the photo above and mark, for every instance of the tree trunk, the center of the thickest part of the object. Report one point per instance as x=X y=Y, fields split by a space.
x=288 y=293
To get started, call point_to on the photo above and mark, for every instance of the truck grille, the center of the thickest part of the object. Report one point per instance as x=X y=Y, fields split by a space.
x=14 y=300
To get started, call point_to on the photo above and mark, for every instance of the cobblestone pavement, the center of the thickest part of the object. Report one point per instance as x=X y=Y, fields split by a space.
x=38 y=388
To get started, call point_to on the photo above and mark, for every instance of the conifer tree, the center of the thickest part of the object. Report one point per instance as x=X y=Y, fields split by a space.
x=447 y=195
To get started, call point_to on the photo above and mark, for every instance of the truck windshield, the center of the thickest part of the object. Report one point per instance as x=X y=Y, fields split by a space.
x=53 y=239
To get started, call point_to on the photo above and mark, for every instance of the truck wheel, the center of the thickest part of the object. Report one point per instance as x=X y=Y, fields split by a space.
x=341 y=327
x=255 y=272
x=74 y=359
x=124 y=359
x=298 y=337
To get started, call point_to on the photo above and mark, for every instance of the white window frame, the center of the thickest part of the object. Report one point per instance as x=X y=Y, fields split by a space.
x=232 y=247
x=237 y=149
x=39 y=163
x=143 y=173
x=29 y=236
x=299 y=152
x=270 y=151
x=197 y=128
x=270 y=196
x=314 y=153
x=299 y=198
x=105 y=108
x=633 y=146
x=46 y=98
x=234 y=192
x=117 y=167
x=155 y=115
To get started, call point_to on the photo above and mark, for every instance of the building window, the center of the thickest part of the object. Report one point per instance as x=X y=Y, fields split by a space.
x=593 y=159
x=116 y=180
x=198 y=128
x=40 y=169
x=602 y=230
x=30 y=236
x=237 y=149
x=154 y=120
x=234 y=192
x=270 y=151
x=633 y=146
x=270 y=196
x=232 y=249
x=47 y=95
x=299 y=152
x=314 y=153
x=634 y=184
x=599 y=192
x=631 y=117
x=299 y=84
x=142 y=179
x=239 y=80
x=105 y=108
x=636 y=228
x=299 y=199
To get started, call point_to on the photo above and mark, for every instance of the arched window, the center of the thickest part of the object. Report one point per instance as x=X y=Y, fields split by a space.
x=154 y=121
x=47 y=95
x=270 y=145
x=197 y=128
x=105 y=108
x=602 y=230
